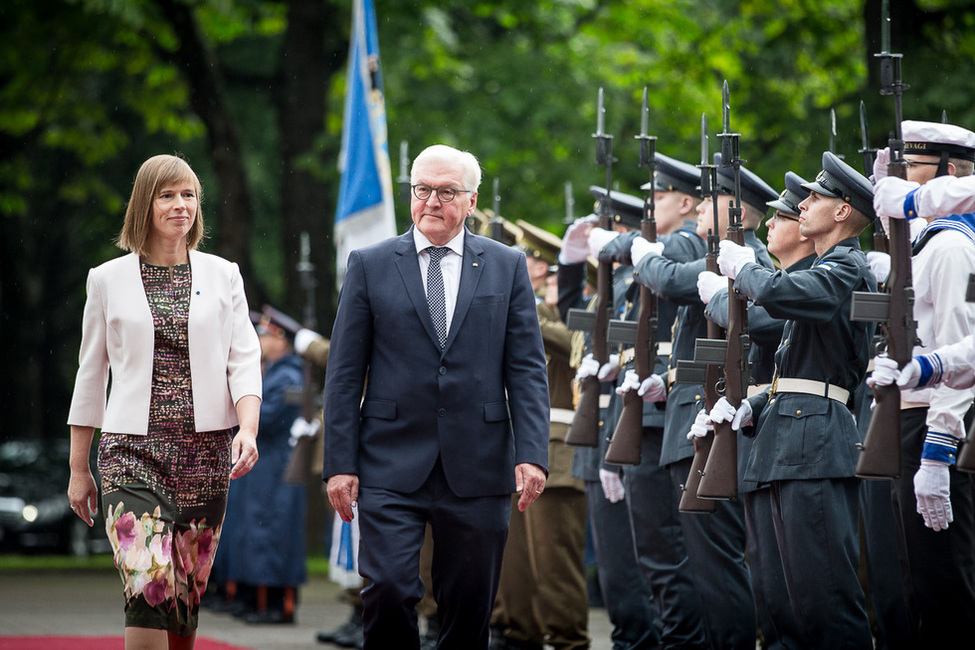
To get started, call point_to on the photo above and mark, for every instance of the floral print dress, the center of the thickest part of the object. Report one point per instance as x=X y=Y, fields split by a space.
x=164 y=494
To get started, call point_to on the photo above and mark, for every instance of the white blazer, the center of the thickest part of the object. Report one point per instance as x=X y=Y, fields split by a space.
x=118 y=336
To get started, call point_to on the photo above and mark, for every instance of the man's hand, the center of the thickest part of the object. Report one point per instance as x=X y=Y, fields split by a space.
x=880 y=165
x=641 y=247
x=879 y=264
x=708 y=284
x=610 y=370
x=653 y=389
x=886 y=372
x=530 y=482
x=612 y=485
x=732 y=257
x=343 y=494
x=723 y=411
x=575 y=244
x=302 y=428
x=599 y=237
x=702 y=425
x=932 y=489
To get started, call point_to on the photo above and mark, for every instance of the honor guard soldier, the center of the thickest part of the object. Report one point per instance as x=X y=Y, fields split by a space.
x=792 y=252
x=935 y=419
x=650 y=494
x=805 y=437
x=626 y=594
x=715 y=543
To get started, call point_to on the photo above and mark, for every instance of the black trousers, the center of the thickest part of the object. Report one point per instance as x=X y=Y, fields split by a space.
x=469 y=536
x=942 y=563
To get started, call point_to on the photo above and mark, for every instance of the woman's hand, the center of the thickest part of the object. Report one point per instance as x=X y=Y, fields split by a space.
x=83 y=495
x=243 y=453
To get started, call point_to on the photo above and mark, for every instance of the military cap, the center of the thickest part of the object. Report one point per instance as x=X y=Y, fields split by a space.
x=671 y=175
x=277 y=323
x=538 y=242
x=791 y=196
x=626 y=209
x=754 y=191
x=839 y=180
x=485 y=224
x=935 y=138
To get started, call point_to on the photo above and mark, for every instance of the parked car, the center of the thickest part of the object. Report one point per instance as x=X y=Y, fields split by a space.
x=35 y=515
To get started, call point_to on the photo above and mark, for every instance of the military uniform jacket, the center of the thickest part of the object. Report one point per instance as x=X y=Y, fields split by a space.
x=673 y=276
x=800 y=436
x=557 y=341
x=764 y=331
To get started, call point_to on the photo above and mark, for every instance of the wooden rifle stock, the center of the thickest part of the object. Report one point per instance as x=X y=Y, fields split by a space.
x=624 y=447
x=880 y=455
x=720 y=478
x=690 y=501
x=966 y=457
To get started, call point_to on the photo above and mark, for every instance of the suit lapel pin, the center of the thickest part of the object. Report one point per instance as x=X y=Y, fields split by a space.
x=474 y=264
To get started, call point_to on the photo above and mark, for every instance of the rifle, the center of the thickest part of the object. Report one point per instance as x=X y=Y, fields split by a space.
x=880 y=243
x=404 y=172
x=298 y=463
x=497 y=224
x=690 y=502
x=624 y=446
x=880 y=453
x=720 y=478
x=584 y=430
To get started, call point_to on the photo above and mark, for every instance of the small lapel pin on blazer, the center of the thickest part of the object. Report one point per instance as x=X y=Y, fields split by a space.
x=474 y=264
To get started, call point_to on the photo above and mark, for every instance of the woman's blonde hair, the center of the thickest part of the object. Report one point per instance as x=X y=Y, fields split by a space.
x=153 y=174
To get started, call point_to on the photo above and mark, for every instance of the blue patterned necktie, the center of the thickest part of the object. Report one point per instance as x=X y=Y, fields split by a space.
x=435 y=292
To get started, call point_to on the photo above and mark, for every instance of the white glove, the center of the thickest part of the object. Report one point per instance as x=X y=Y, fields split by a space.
x=885 y=372
x=641 y=247
x=880 y=165
x=612 y=485
x=932 y=489
x=588 y=367
x=710 y=283
x=879 y=264
x=610 y=370
x=631 y=381
x=702 y=425
x=653 y=389
x=732 y=257
x=575 y=244
x=723 y=411
x=302 y=428
x=303 y=339
x=599 y=237
x=889 y=195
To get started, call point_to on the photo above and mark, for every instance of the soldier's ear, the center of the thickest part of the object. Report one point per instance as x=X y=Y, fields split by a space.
x=843 y=211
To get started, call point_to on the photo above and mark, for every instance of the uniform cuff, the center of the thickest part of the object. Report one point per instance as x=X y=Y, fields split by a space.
x=910 y=209
x=931 y=369
x=940 y=447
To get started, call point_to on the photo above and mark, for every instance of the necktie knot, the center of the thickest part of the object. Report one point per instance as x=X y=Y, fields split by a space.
x=437 y=253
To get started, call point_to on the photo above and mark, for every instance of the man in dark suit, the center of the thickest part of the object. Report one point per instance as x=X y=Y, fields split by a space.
x=438 y=327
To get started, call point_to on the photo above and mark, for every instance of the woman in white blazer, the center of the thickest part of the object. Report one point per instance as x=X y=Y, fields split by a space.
x=169 y=365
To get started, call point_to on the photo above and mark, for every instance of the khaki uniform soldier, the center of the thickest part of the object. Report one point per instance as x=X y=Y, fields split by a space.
x=542 y=599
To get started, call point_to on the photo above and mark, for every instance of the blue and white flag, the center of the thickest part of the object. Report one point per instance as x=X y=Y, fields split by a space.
x=365 y=209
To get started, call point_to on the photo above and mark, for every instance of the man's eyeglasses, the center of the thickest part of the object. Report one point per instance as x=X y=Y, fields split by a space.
x=445 y=194
x=781 y=216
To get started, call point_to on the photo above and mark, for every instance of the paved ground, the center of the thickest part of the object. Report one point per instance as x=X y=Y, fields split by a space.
x=90 y=603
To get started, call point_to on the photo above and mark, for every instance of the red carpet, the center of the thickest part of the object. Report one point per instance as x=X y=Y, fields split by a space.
x=90 y=643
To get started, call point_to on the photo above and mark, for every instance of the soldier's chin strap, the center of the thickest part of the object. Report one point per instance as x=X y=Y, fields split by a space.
x=942 y=165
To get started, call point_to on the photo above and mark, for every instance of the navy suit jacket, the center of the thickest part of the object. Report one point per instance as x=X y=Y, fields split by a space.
x=481 y=404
